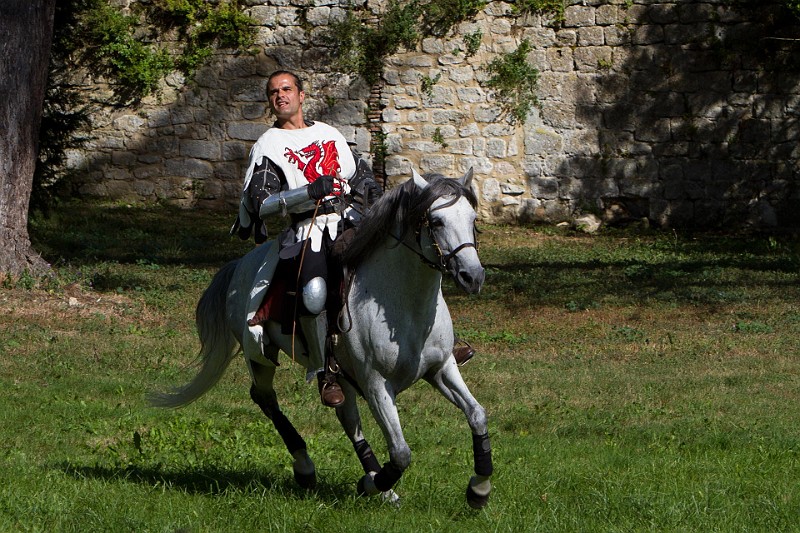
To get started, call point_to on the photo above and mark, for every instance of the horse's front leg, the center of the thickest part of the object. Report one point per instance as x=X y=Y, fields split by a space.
x=350 y=420
x=380 y=396
x=263 y=394
x=449 y=382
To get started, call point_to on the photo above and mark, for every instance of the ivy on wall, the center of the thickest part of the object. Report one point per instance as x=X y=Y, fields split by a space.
x=514 y=81
x=361 y=48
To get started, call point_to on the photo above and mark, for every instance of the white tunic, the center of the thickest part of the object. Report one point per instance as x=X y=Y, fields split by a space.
x=304 y=155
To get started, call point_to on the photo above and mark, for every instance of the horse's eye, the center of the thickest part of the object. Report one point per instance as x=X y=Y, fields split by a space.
x=437 y=223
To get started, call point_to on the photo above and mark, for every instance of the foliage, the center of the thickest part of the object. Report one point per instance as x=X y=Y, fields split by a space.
x=440 y=16
x=438 y=137
x=473 y=42
x=794 y=6
x=554 y=8
x=362 y=49
x=514 y=81
x=64 y=117
x=202 y=27
x=427 y=84
x=113 y=46
x=114 y=41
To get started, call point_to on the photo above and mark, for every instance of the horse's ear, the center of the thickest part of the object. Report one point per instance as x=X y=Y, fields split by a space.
x=466 y=179
x=419 y=181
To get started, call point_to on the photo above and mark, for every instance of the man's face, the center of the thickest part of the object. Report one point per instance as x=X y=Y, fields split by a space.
x=284 y=97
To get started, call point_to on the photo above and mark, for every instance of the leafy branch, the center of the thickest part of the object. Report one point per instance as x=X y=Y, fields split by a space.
x=514 y=81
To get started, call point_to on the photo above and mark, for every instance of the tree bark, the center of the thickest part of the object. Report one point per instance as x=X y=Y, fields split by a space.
x=26 y=32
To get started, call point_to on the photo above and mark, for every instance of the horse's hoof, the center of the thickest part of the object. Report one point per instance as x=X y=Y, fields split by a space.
x=360 y=487
x=475 y=500
x=390 y=497
x=366 y=485
x=306 y=481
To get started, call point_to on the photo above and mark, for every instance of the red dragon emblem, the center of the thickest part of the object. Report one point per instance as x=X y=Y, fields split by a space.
x=315 y=160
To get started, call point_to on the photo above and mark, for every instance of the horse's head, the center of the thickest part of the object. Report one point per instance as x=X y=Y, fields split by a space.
x=450 y=221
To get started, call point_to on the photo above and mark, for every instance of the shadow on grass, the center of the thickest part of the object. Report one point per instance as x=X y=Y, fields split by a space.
x=206 y=481
x=701 y=270
x=574 y=270
x=85 y=233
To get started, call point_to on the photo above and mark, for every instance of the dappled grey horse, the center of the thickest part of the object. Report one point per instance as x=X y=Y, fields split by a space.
x=395 y=328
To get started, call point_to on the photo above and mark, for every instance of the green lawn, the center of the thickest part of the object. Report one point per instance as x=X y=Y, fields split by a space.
x=635 y=381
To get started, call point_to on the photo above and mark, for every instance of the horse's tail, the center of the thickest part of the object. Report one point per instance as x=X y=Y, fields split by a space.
x=217 y=344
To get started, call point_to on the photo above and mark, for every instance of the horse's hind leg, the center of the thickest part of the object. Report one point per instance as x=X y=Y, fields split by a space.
x=449 y=382
x=263 y=394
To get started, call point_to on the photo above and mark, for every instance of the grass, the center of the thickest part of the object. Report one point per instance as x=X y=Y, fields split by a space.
x=634 y=382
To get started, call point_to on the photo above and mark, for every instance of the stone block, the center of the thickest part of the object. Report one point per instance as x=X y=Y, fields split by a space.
x=591 y=36
x=480 y=165
x=405 y=102
x=246 y=131
x=191 y=168
x=486 y=113
x=496 y=148
x=459 y=146
x=318 y=16
x=607 y=15
x=490 y=190
x=616 y=35
x=543 y=187
x=579 y=16
x=542 y=140
x=440 y=96
x=470 y=95
x=210 y=150
x=447 y=116
x=234 y=151
x=461 y=75
x=560 y=59
x=253 y=111
x=591 y=58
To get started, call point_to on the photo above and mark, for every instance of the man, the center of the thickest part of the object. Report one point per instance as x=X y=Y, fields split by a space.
x=305 y=169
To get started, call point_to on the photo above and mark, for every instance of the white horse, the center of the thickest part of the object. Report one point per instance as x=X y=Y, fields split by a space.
x=395 y=328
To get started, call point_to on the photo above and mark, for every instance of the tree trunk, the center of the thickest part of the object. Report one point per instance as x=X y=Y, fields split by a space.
x=26 y=31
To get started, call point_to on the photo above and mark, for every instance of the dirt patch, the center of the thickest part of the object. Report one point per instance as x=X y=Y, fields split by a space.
x=72 y=302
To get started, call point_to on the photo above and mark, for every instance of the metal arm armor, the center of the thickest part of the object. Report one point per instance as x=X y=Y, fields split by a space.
x=284 y=202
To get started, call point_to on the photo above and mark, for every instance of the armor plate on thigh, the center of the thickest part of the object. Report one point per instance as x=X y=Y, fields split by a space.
x=314 y=294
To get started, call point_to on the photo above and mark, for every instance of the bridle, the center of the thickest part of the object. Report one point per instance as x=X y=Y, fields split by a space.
x=442 y=261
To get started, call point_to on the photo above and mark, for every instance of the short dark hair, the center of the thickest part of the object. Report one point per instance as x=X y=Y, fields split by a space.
x=297 y=81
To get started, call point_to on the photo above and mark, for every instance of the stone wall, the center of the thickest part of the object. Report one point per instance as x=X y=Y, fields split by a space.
x=683 y=112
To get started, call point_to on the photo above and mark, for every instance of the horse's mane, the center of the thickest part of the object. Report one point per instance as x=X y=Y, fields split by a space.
x=405 y=204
